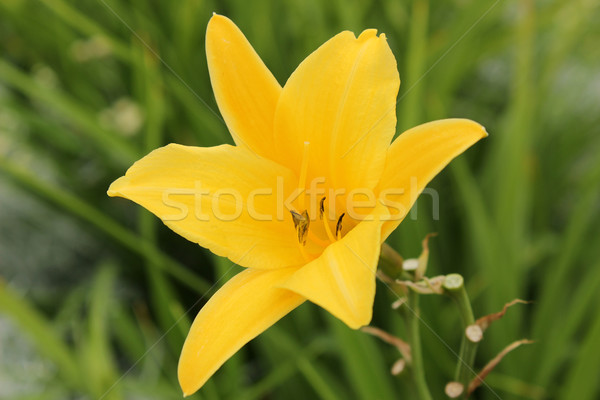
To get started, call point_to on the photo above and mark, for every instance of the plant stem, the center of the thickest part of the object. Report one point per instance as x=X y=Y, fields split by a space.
x=418 y=370
x=454 y=286
x=390 y=262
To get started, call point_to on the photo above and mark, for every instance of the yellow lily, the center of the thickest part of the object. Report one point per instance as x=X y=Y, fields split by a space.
x=289 y=201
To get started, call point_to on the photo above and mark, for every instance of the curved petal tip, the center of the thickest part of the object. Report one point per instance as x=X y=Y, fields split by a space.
x=367 y=34
x=218 y=19
x=114 y=189
x=485 y=132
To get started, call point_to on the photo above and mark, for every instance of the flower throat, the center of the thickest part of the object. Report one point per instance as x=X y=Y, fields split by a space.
x=301 y=218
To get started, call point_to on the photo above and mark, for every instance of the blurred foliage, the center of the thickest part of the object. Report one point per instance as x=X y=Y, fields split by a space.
x=97 y=295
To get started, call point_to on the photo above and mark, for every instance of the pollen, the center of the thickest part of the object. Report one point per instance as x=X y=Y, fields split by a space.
x=301 y=223
x=338 y=226
x=322 y=207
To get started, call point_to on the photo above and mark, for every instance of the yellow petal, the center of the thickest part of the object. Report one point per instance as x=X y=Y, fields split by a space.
x=342 y=279
x=416 y=157
x=342 y=100
x=245 y=89
x=242 y=309
x=224 y=198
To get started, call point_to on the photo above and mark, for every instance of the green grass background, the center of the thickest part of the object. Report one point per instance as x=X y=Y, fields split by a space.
x=96 y=295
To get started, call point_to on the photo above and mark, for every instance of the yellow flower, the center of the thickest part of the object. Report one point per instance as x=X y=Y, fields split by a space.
x=305 y=198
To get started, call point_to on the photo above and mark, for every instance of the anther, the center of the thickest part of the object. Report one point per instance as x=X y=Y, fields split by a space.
x=325 y=220
x=338 y=226
x=301 y=223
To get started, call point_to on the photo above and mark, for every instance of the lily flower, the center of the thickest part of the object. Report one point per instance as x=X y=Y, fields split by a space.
x=289 y=202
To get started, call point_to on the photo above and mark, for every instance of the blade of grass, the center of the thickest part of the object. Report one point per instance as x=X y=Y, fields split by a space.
x=111 y=144
x=410 y=102
x=481 y=233
x=40 y=330
x=508 y=169
x=163 y=298
x=231 y=376
x=128 y=335
x=563 y=331
x=287 y=346
x=284 y=371
x=410 y=106
x=582 y=379
x=572 y=244
x=101 y=369
x=361 y=359
x=86 y=25
x=105 y=224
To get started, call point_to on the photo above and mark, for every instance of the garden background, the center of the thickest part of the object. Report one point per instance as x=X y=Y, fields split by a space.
x=97 y=295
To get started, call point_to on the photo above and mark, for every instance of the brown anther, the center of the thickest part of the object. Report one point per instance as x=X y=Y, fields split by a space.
x=301 y=223
x=322 y=207
x=338 y=226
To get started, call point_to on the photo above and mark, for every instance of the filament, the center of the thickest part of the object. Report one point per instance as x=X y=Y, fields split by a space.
x=303 y=172
x=325 y=220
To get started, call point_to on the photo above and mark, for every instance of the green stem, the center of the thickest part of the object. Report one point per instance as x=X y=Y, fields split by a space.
x=455 y=288
x=418 y=370
x=390 y=262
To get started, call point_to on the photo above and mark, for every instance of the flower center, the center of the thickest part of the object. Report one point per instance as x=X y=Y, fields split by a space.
x=313 y=241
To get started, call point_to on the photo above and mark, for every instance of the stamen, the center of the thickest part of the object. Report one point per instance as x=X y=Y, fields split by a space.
x=301 y=223
x=296 y=217
x=325 y=220
x=307 y=258
x=338 y=226
x=303 y=171
x=322 y=207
